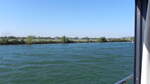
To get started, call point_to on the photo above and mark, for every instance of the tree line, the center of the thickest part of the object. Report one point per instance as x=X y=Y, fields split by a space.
x=46 y=40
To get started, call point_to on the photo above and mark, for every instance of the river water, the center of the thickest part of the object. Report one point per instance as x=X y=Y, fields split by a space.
x=76 y=63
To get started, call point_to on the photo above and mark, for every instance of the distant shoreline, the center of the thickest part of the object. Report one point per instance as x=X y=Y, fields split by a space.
x=65 y=43
x=11 y=40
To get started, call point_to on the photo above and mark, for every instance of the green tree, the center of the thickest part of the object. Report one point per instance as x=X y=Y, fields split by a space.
x=102 y=39
x=86 y=38
x=131 y=39
x=64 y=39
x=29 y=40
x=4 y=40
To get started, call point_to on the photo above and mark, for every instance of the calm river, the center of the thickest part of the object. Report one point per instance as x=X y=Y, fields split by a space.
x=78 y=63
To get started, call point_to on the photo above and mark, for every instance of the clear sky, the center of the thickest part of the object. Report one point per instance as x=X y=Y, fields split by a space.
x=93 y=18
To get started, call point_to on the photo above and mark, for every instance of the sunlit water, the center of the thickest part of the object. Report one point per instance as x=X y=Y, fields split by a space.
x=80 y=63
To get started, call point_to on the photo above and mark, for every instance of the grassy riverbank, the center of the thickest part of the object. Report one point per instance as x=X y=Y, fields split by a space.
x=10 y=40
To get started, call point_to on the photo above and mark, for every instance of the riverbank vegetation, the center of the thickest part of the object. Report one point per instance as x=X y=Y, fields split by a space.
x=47 y=40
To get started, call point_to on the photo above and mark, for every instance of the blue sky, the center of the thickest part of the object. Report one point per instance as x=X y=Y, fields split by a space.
x=92 y=18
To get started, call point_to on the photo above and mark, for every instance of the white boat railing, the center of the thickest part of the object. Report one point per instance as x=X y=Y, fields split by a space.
x=125 y=80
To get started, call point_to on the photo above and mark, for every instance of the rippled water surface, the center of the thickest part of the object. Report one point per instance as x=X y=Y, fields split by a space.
x=80 y=63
